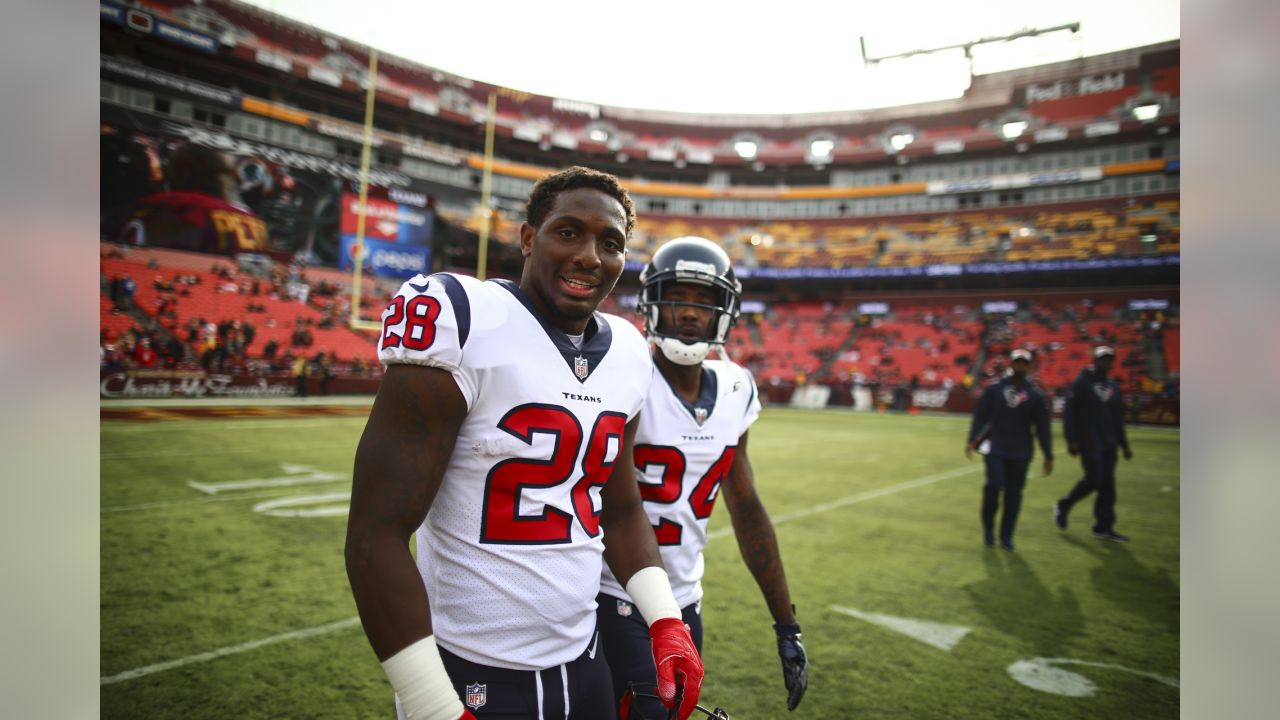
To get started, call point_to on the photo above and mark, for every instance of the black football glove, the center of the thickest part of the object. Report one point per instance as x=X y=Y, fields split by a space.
x=795 y=666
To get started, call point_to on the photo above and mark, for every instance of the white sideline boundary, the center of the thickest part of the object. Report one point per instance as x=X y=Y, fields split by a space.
x=232 y=650
x=353 y=621
x=859 y=498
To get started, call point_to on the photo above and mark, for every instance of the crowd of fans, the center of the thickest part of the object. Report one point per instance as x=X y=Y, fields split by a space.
x=916 y=347
x=157 y=338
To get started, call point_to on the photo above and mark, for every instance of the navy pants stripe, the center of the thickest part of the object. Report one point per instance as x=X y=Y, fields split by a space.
x=625 y=636
x=1099 y=477
x=528 y=695
x=1006 y=476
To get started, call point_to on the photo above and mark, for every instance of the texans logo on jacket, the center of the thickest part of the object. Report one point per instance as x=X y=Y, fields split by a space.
x=1104 y=391
x=1013 y=397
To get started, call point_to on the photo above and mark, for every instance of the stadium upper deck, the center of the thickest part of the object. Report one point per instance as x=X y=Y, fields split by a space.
x=1092 y=176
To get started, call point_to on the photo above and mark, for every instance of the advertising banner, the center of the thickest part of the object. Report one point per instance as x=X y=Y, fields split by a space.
x=388 y=259
x=1019 y=180
x=198 y=384
x=387 y=220
x=168 y=383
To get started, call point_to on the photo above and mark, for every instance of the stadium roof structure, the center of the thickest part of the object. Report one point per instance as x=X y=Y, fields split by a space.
x=704 y=59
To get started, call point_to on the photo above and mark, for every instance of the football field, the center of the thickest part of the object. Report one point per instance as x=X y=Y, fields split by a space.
x=223 y=593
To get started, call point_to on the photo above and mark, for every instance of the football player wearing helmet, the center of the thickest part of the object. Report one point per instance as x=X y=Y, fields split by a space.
x=690 y=445
x=495 y=438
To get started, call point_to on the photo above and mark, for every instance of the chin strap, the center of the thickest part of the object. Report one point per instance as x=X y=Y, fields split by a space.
x=682 y=353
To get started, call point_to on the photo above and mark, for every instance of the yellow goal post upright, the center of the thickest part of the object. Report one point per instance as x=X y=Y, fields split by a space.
x=357 y=323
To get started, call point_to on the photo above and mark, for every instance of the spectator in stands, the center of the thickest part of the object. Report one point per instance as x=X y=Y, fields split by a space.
x=1005 y=416
x=112 y=359
x=144 y=356
x=322 y=367
x=1094 y=424
x=300 y=371
x=173 y=352
x=125 y=291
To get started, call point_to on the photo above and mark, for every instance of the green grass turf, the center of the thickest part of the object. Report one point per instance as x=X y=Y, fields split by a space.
x=183 y=575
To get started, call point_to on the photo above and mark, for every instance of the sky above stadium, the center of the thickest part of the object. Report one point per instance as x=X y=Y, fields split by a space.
x=732 y=57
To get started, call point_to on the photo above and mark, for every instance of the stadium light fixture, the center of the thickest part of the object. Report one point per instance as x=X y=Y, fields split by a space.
x=746 y=149
x=1012 y=130
x=900 y=141
x=1146 y=113
x=821 y=148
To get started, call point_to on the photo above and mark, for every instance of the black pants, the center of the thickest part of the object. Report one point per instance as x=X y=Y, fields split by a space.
x=627 y=646
x=1009 y=476
x=1100 y=476
x=502 y=694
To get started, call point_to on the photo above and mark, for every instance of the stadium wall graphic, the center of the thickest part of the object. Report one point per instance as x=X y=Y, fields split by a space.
x=197 y=384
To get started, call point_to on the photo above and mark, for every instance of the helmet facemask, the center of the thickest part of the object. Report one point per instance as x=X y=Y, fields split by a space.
x=679 y=349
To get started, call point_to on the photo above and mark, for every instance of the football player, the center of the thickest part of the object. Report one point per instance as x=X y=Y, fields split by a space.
x=1006 y=413
x=496 y=435
x=690 y=445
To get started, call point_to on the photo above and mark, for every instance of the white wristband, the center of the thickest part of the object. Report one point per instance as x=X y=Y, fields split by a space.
x=420 y=681
x=650 y=590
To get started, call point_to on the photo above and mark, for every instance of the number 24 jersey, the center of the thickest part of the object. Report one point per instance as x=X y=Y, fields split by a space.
x=511 y=551
x=683 y=452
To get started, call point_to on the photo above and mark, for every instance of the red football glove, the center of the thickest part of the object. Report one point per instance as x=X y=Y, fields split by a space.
x=677 y=661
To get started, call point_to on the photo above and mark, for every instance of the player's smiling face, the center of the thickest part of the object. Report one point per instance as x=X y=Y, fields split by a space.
x=684 y=319
x=574 y=258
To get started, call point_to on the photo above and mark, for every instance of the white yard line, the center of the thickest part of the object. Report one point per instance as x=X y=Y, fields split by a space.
x=232 y=650
x=860 y=497
x=197 y=501
x=215 y=451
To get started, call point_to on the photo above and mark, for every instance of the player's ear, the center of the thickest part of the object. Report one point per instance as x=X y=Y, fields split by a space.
x=527 y=234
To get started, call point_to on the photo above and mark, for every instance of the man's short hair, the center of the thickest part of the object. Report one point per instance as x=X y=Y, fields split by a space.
x=543 y=195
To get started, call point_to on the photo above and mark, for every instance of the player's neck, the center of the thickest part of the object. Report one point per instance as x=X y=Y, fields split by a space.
x=686 y=380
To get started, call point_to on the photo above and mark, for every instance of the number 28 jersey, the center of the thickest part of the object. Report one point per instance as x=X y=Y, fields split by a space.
x=682 y=453
x=511 y=551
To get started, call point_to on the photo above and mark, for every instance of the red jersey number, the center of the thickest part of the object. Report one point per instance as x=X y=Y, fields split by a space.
x=503 y=522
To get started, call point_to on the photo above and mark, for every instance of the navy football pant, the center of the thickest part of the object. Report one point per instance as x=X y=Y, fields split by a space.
x=625 y=636
x=1007 y=476
x=1100 y=477
x=501 y=694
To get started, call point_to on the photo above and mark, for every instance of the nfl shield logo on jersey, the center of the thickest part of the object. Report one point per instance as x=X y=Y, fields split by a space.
x=700 y=414
x=624 y=608
x=580 y=368
x=476 y=695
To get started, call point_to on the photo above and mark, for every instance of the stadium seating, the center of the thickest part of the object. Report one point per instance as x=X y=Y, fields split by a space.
x=216 y=299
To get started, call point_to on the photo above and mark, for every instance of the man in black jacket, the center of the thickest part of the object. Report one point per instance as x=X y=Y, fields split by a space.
x=1005 y=415
x=1094 y=425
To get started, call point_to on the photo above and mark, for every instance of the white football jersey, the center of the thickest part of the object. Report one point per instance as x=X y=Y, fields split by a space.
x=682 y=453
x=511 y=551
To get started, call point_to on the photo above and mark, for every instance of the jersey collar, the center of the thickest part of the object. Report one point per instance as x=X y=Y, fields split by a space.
x=595 y=346
x=706 y=402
